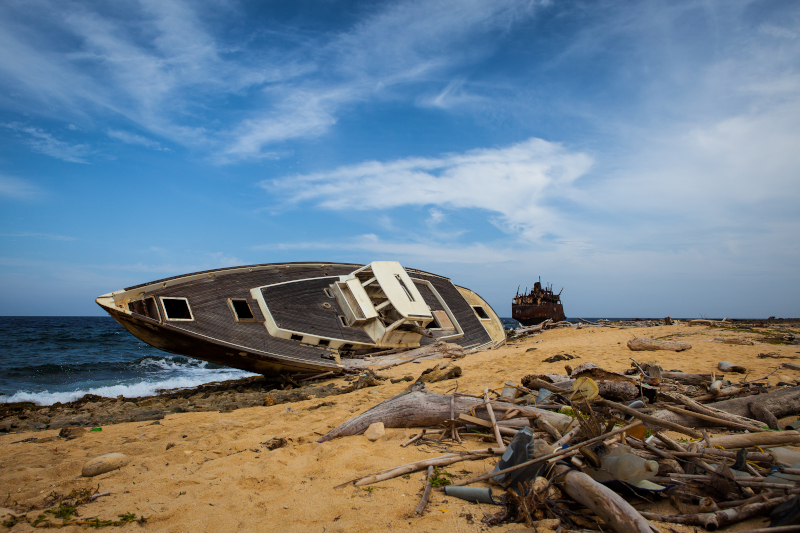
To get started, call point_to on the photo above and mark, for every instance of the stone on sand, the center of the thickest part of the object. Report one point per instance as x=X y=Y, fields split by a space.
x=375 y=431
x=104 y=463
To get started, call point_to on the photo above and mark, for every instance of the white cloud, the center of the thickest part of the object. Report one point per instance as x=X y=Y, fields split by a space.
x=159 y=64
x=409 y=253
x=17 y=189
x=43 y=142
x=515 y=183
x=451 y=96
x=132 y=138
x=777 y=31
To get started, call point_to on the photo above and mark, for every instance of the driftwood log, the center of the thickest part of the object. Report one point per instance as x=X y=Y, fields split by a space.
x=725 y=366
x=617 y=513
x=780 y=403
x=710 y=410
x=643 y=344
x=688 y=379
x=616 y=390
x=427 y=493
x=761 y=414
x=747 y=440
x=649 y=419
x=713 y=521
x=421 y=408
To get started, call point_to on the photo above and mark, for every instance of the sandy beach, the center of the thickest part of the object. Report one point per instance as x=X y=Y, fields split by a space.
x=212 y=471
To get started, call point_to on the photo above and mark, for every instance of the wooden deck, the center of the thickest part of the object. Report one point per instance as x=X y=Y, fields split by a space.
x=301 y=306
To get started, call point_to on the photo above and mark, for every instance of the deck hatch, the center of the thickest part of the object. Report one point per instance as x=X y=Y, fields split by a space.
x=176 y=308
x=241 y=310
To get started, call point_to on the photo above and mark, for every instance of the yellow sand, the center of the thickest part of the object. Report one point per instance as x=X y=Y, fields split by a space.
x=218 y=477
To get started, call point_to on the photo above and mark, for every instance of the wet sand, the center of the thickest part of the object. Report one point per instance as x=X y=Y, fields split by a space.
x=219 y=476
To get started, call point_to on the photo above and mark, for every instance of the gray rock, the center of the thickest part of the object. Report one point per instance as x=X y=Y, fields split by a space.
x=104 y=463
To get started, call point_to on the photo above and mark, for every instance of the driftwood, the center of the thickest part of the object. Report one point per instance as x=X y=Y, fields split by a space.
x=492 y=418
x=687 y=378
x=641 y=344
x=725 y=366
x=715 y=454
x=760 y=413
x=617 y=513
x=421 y=408
x=747 y=440
x=724 y=393
x=414 y=467
x=713 y=521
x=716 y=421
x=710 y=410
x=436 y=348
x=780 y=403
x=547 y=457
x=427 y=493
x=666 y=424
x=530 y=329
x=618 y=390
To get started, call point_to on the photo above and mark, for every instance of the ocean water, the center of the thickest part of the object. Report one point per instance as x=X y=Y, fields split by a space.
x=59 y=359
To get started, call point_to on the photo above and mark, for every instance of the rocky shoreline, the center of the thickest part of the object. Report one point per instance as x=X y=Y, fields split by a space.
x=226 y=396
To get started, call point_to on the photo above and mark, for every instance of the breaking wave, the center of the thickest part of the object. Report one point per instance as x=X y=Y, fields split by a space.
x=129 y=390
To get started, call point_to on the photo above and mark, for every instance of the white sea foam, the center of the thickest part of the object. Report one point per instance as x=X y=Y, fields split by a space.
x=135 y=389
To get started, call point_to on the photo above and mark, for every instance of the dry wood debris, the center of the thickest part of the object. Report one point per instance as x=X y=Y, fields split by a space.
x=579 y=456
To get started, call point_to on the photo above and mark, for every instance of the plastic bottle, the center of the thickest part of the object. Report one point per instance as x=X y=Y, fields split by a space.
x=625 y=466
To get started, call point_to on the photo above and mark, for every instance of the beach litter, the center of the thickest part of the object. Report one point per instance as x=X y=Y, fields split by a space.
x=579 y=450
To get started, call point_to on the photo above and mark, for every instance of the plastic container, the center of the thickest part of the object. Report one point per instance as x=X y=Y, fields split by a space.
x=625 y=466
x=782 y=454
x=523 y=448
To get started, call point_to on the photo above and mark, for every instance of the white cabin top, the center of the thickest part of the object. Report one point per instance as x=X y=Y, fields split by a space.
x=398 y=288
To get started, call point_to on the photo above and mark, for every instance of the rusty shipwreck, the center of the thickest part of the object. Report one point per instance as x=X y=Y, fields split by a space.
x=302 y=317
x=537 y=306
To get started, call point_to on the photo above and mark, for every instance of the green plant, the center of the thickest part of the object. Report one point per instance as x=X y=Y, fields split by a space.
x=368 y=489
x=64 y=511
x=439 y=479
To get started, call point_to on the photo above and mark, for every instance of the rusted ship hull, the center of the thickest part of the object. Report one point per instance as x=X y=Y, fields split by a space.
x=532 y=314
x=301 y=317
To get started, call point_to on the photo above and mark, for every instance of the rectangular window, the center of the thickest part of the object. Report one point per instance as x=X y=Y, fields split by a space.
x=241 y=310
x=343 y=320
x=324 y=342
x=146 y=307
x=296 y=337
x=177 y=308
x=481 y=312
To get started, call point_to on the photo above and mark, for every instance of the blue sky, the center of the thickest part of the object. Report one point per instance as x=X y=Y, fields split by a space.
x=643 y=155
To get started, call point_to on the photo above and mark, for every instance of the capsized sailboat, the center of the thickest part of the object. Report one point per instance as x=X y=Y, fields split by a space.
x=302 y=317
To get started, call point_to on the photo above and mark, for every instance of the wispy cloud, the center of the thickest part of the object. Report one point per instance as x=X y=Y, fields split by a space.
x=48 y=236
x=18 y=189
x=44 y=142
x=163 y=67
x=132 y=138
x=409 y=252
x=516 y=183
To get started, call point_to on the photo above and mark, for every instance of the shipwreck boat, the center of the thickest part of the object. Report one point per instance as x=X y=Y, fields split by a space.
x=282 y=318
x=537 y=306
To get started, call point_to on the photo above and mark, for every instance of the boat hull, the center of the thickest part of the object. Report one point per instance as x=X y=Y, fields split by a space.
x=295 y=323
x=532 y=314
